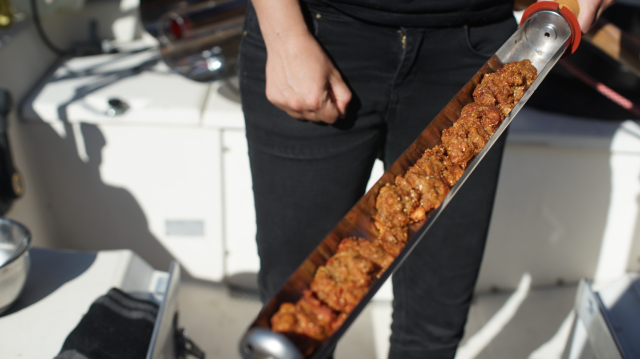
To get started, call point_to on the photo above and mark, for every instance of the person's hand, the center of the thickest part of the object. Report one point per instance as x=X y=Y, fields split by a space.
x=302 y=80
x=590 y=11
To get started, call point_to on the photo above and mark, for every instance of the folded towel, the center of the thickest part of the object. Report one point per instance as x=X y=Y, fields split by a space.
x=116 y=326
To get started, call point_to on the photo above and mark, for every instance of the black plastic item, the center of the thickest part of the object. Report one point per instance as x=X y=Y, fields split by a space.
x=92 y=46
x=35 y=14
x=117 y=325
x=11 y=184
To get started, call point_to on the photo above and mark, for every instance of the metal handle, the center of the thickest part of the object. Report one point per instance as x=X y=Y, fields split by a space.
x=117 y=107
x=260 y=343
x=566 y=10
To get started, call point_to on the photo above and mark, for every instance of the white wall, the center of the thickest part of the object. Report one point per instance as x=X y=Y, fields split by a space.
x=567 y=202
x=23 y=61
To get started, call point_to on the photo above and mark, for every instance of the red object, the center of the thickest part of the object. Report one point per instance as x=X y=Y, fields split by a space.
x=176 y=29
x=576 y=33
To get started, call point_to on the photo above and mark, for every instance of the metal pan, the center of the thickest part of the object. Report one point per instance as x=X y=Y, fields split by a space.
x=542 y=39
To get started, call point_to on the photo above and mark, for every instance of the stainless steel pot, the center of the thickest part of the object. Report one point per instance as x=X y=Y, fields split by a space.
x=15 y=241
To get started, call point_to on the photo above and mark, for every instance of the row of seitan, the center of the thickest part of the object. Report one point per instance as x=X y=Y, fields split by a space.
x=340 y=284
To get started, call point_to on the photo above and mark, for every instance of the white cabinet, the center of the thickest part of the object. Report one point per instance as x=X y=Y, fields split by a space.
x=148 y=179
x=174 y=175
x=239 y=214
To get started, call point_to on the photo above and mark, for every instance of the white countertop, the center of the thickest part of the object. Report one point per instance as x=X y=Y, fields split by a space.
x=60 y=289
x=78 y=90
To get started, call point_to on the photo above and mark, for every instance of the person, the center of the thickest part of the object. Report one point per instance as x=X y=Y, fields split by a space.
x=328 y=86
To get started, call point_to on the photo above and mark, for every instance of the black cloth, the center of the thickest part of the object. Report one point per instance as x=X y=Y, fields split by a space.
x=425 y=13
x=307 y=175
x=117 y=326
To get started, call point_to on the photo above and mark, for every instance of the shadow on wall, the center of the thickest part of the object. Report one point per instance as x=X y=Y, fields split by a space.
x=91 y=215
x=552 y=205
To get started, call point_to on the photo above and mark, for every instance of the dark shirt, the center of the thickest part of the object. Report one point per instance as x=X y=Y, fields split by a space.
x=425 y=13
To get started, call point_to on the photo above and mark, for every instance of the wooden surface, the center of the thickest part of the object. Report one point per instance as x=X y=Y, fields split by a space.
x=616 y=43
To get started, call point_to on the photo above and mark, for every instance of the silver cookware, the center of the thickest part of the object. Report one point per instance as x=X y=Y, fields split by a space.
x=15 y=242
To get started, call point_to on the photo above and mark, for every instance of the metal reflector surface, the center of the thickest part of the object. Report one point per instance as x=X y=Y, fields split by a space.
x=542 y=39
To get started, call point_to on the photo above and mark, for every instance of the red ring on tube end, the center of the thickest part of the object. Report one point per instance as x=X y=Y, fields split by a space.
x=576 y=33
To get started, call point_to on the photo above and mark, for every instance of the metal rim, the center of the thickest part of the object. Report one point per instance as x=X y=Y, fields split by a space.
x=22 y=247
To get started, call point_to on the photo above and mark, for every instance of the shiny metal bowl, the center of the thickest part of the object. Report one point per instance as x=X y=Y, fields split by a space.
x=15 y=241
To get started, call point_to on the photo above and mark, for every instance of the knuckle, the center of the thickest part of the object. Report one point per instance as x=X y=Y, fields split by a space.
x=295 y=105
x=329 y=116
x=273 y=97
x=294 y=114
x=329 y=119
x=312 y=102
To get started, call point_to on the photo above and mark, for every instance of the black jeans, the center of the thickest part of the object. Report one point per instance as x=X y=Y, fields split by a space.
x=306 y=175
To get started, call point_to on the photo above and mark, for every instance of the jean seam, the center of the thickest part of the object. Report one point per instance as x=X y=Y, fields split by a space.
x=403 y=313
x=392 y=86
x=404 y=66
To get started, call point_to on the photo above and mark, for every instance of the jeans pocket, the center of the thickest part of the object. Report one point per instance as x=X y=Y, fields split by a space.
x=325 y=18
x=485 y=40
x=320 y=12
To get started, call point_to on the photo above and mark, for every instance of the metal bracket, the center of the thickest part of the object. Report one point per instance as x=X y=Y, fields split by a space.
x=186 y=347
x=591 y=316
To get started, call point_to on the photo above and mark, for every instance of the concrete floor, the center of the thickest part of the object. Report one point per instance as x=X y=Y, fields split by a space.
x=500 y=325
x=535 y=322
